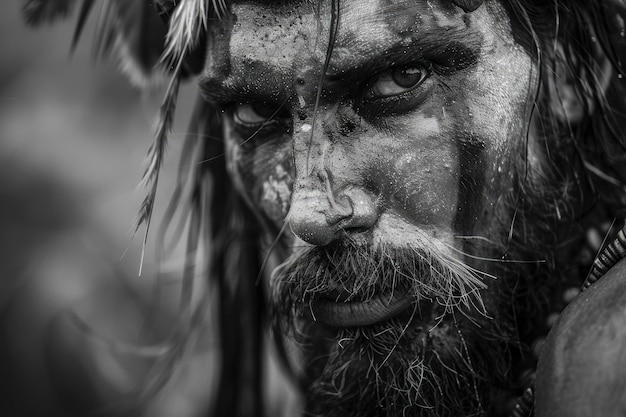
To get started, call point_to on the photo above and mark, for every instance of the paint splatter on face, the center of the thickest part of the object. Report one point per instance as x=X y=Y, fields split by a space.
x=401 y=155
x=276 y=194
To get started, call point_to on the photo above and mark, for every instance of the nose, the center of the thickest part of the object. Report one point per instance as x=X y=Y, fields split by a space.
x=329 y=200
x=320 y=216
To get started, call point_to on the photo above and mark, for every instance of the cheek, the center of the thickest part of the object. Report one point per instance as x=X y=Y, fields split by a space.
x=426 y=185
x=487 y=111
x=263 y=175
x=500 y=119
x=421 y=170
x=430 y=195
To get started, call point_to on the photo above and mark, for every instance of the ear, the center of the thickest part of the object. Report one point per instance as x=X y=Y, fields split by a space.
x=574 y=86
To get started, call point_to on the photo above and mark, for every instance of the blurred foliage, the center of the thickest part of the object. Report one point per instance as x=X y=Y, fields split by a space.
x=73 y=135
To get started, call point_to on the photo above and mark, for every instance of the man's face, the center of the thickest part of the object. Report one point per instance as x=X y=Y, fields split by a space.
x=387 y=175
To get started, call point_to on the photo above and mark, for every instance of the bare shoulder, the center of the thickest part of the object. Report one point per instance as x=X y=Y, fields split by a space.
x=582 y=369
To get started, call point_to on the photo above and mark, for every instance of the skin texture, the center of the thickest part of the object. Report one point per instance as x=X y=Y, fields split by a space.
x=586 y=344
x=416 y=205
x=425 y=225
x=403 y=171
x=350 y=167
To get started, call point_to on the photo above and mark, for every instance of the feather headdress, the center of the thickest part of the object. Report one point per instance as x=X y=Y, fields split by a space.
x=187 y=24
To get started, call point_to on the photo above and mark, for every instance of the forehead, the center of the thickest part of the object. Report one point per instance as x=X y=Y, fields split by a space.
x=279 y=42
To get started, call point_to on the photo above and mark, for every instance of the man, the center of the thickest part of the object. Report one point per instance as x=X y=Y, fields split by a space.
x=424 y=173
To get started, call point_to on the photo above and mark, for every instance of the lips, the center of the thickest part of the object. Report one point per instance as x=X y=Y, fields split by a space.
x=335 y=313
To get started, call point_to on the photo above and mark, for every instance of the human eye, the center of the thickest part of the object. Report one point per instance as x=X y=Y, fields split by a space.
x=395 y=90
x=258 y=115
x=396 y=81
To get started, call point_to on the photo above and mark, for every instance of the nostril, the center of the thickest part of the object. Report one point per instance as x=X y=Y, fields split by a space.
x=319 y=219
x=364 y=211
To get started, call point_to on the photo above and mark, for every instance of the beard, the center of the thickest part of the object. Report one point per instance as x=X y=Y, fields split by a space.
x=444 y=355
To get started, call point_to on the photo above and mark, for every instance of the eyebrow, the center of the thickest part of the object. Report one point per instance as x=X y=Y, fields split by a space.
x=448 y=55
x=217 y=92
x=455 y=52
x=227 y=91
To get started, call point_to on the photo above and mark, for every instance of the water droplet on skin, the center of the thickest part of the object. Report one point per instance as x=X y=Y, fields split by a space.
x=620 y=76
x=622 y=33
x=593 y=39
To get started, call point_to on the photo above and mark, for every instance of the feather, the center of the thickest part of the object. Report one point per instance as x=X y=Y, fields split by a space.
x=186 y=26
x=37 y=12
x=105 y=31
x=156 y=154
x=220 y=7
x=131 y=29
x=140 y=37
x=82 y=19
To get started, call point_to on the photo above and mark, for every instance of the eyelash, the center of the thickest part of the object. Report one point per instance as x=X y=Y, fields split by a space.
x=369 y=103
x=394 y=75
x=373 y=108
x=274 y=118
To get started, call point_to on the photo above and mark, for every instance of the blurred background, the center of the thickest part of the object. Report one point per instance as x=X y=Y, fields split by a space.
x=73 y=139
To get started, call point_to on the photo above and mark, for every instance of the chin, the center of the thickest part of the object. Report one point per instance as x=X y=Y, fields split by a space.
x=439 y=354
x=406 y=366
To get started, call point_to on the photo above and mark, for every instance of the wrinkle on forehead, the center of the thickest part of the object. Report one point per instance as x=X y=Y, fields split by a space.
x=274 y=48
x=273 y=33
x=390 y=23
x=278 y=32
x=266 y=44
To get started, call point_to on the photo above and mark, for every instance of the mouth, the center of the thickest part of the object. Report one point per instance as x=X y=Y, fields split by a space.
x=341 y=314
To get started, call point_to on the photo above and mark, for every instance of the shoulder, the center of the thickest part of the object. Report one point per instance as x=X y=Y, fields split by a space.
x=582 y=368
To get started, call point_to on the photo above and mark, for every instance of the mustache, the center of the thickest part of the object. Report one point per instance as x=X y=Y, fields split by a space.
x=347 y=272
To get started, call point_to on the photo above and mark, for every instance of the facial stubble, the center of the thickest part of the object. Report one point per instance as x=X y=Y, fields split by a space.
x=439 y=357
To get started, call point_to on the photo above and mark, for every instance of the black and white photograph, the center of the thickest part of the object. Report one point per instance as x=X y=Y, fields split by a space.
x=313 y=208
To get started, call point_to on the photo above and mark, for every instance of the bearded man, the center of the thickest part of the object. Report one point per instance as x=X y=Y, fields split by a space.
x=423 y=173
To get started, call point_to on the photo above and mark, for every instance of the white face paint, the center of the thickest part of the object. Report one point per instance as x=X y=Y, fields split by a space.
x=416 y=134
x=442 y=89
x=276 y=194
